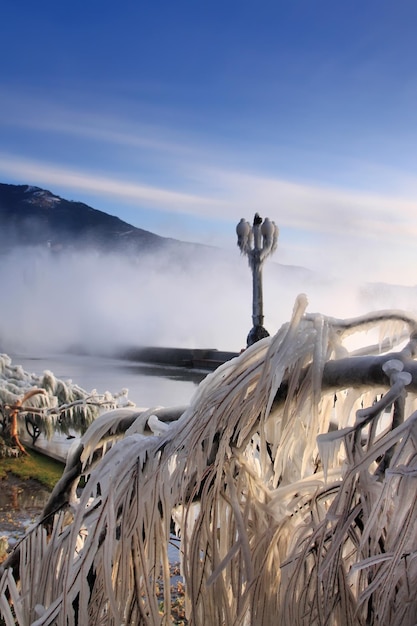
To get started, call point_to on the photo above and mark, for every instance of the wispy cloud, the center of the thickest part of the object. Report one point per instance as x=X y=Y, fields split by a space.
x=330 y=229
x=317 y=208
x=100 y=185
x=38 y=115
x=361 y=231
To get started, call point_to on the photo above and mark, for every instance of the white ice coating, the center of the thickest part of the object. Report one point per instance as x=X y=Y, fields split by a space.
x=279 y=522
x=78 y=406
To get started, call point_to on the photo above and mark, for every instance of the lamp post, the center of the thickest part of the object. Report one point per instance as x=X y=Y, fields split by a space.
x=258 y=242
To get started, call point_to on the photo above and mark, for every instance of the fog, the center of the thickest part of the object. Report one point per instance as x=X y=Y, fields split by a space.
x=54 y=302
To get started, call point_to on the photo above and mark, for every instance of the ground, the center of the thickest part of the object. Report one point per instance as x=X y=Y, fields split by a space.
x=25 y=485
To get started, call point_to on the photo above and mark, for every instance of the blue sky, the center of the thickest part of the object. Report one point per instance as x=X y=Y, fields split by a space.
x=181 y=117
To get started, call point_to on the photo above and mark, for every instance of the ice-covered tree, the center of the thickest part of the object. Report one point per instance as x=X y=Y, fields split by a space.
x=46 y=403
x=290 y=480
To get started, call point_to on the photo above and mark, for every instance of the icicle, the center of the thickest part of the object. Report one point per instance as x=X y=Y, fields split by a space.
x=156 y=426
x=329 y=445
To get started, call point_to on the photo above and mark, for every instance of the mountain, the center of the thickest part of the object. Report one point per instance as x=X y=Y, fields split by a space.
x=31 y=216
x=36 y=217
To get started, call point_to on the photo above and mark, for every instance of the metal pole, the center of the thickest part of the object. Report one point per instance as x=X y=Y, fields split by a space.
x=257 y=299
x=257 y=242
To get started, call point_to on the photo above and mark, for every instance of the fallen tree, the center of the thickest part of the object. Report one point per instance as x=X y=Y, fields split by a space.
x=290 y=479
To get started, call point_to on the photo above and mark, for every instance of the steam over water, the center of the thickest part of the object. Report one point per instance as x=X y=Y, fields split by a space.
x=54 y=302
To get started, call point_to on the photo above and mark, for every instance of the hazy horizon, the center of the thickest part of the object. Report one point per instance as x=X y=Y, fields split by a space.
x=102 y=302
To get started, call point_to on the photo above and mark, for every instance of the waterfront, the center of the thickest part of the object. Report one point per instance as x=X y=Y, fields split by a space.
x=148 y=385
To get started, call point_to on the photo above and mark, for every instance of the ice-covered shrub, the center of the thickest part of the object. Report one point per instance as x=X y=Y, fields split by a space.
x=291 y=481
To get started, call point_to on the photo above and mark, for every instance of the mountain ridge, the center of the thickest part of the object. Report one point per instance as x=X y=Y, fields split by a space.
x=31 y=215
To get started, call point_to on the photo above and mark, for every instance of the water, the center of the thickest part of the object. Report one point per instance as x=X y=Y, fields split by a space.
x=148 y=385
x=21 y=501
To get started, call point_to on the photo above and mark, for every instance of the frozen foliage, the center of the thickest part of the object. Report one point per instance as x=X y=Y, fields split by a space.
x=291 y=479
x=64 y=406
